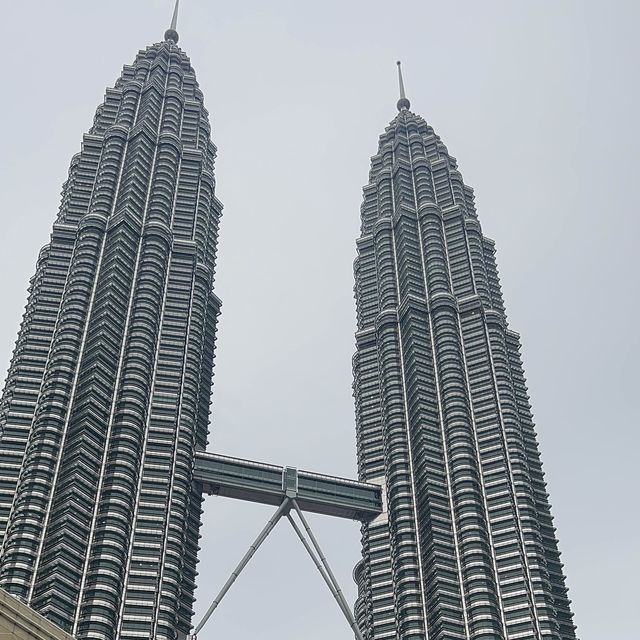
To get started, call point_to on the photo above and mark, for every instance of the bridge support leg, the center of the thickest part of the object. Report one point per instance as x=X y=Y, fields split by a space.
x=323 y=567
x=282 y=509
x=314 y=551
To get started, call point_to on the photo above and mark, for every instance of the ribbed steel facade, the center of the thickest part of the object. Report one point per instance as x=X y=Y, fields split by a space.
x=466 y=548
x=108 y=392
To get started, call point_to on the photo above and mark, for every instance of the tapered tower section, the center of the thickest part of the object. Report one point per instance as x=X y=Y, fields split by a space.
x=466 y=548
x=108 y=393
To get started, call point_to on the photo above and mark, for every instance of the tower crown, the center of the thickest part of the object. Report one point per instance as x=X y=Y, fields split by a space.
x=171 y=33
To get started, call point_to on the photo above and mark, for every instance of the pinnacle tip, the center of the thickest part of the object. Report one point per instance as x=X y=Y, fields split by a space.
x=403 y=103
x=172 y=32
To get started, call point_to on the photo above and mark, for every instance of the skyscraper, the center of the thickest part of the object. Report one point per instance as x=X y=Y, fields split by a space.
x=107 y=396
x=466 y=547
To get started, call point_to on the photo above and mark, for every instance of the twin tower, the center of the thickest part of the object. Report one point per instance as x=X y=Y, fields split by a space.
x=104 y=416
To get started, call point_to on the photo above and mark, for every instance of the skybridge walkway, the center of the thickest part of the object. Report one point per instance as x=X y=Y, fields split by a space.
x=271 y=484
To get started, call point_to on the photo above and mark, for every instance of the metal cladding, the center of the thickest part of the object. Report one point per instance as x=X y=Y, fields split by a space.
x=108 y=392
x=466 y=547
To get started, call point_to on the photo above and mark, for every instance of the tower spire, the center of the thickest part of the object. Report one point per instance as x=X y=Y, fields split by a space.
x=171 y=33
x=403 y=103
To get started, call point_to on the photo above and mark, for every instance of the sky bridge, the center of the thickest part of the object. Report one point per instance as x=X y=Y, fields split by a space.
x=269 y=484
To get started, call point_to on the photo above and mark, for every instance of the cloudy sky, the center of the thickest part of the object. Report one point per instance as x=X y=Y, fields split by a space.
x=537 y=100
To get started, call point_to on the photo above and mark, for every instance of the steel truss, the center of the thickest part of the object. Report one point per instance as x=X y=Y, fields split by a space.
x=289 y=505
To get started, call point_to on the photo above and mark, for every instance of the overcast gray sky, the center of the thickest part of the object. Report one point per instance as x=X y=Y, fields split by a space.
x=539 y=103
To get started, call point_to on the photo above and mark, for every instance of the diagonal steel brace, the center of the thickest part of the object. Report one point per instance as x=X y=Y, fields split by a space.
x=314 y=551
x=325 y=571
x=282 y=509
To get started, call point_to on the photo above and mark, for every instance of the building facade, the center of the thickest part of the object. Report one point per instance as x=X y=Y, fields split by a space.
x=466 y=548
x=108 y=392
